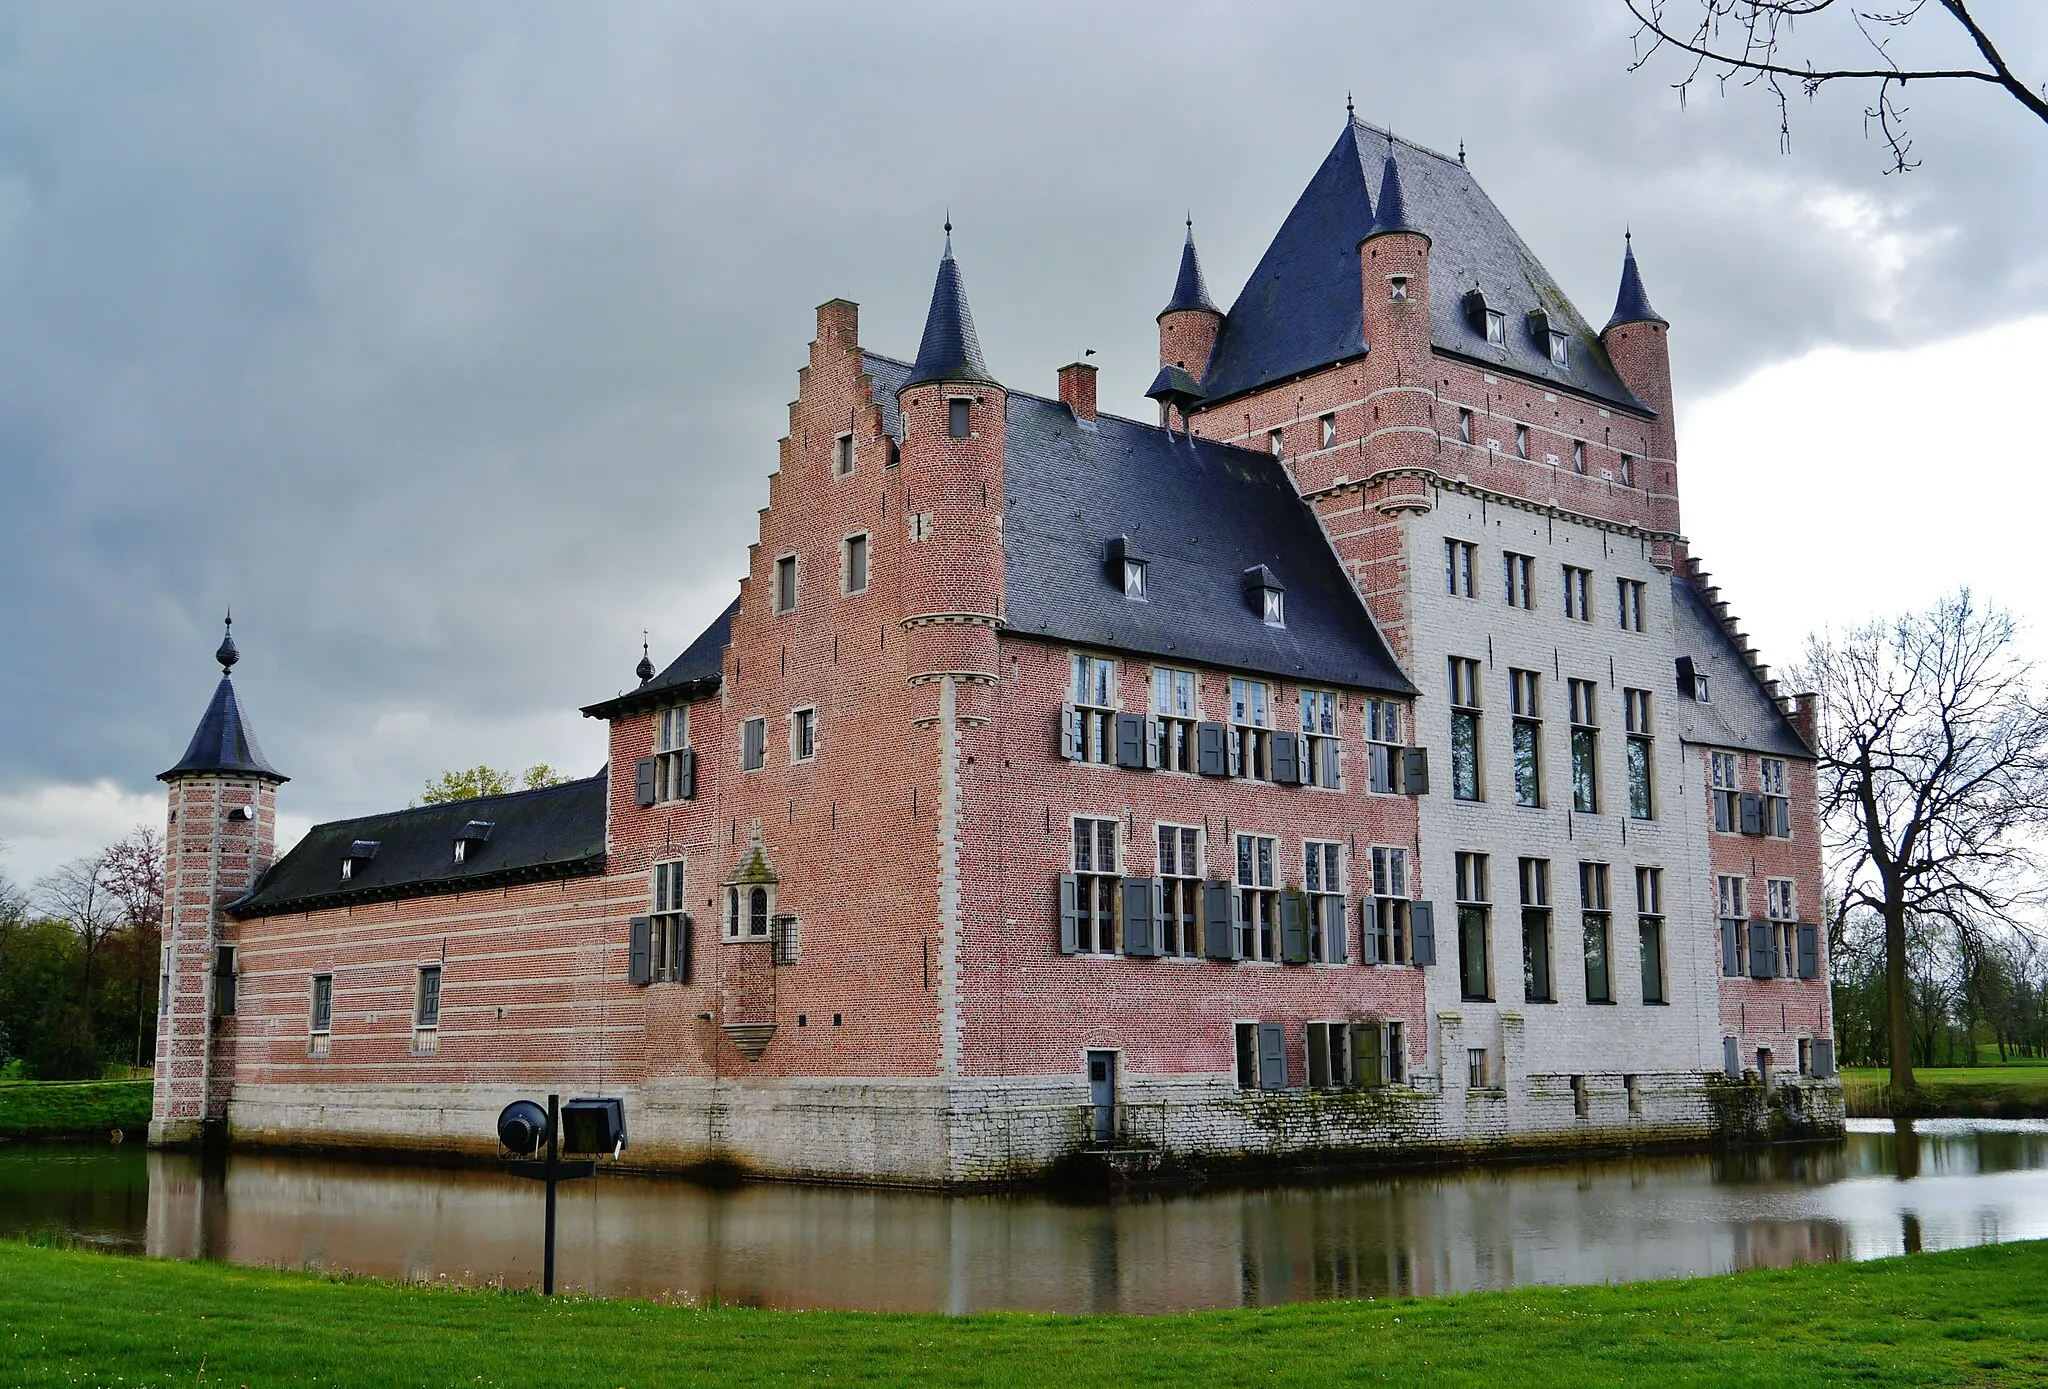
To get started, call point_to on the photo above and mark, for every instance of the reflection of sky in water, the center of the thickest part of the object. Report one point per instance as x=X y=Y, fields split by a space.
x=1964 y=1182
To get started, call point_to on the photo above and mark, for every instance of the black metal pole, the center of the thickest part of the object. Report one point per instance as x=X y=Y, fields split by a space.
x=547 y=1275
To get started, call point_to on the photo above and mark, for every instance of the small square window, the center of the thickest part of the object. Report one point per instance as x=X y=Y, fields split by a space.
x=1397 y=288
x=842 y=455
x=855 y=564
x=1329 y=429
x=1496 y=328
x=785 y=584
x=803 y=735
x=956 y=418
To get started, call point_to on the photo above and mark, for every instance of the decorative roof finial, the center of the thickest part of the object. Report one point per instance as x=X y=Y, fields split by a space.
x=226 y=653
x=645 y=670
x=1349 y=113
x=1461 y=154
x=949 y=235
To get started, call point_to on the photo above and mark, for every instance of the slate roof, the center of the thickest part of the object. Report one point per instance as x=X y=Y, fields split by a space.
x=223 y=744
x=1190 y=290
x=696 y=673
x=1739 y=713
x=541 y=835
x=950 y=350
x=1301 y=309
x=1201 y=513
x=1632 y=301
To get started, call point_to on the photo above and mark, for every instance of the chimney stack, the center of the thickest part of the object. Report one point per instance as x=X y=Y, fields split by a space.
x=1077 y=389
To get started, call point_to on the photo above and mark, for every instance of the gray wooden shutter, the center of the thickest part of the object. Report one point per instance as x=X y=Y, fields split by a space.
x=1130 y=741
x=1824 y=1057
x=1152 y=742
x=1731 y=948
x=684 y=941
x=1212 y=757
x=1731 y=1058
x=688 y=758
x=1272 y=1056
x=643 y=781
x=1752 y=814
x=1809 y=950
x=1368 y=933
x=640 y=951
x=1070 y=914
x=1687 y=677
x=1333 y=763
x=1415 y=771
x=1070 y=746
x=1141 y=927
x=1760 y=950
x=1286 y=759
x=1421 y=933
x=1219 y=941
x=1366 y=1067
x=1336 y=933
x=1783 y=829
x=1319 y=1054
x=1293 y=929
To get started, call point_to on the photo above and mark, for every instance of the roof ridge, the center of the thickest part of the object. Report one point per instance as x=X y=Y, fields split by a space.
x=1386 y=133
x=421 y=810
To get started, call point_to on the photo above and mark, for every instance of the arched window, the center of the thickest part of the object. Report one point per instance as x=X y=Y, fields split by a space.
x=757 y=912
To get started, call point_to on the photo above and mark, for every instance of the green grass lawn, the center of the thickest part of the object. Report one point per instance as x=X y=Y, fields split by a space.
x=1973 y=1317
x=33 y=1110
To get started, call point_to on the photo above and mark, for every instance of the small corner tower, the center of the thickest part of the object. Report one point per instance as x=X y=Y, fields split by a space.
x=953 y=418
x=1400 y=438
x=220 y=838
x=1190 y=321
x=1635 y=340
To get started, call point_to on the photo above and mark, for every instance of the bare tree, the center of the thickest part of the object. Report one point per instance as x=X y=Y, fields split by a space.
x=77 y=895
x=1934 y=779
x=134 y=874
x=1747 y=41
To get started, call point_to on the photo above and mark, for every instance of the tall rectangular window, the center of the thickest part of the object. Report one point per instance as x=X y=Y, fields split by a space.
x=1778 y=910
x=1642 y=805
x=842 y=455
x=803 y=735
x=1730 y=895
x=1389 y=923
x=1598 y=931
x=667 y=957
x=1628 y=595
x=1247 y=1055
x=1578 y=593
x=1322 y=757
x=1383 y=746
x=1475 y=956
x=1650 y=928
x=854 y=563
x=1174 y=715
x=1777 y=806
x=1628 y=471
x=1095 y=885
x=1466 y=783
x=1538 y=983
x=427 y=998
x=1180 y=877
x=1258 y=898
x=1464 y=426
x=753 y=745
x=1328 y=429
x=1274 y=442
x=1724 y=775
x=1092 y=695
x=1329 y=1054
x=1322 y=864
x=322 y=1016
x=674 y=763
x=1251 y=719
x=1519 y=574
x=1460 y=556
x=1526 y=699
x=1585 y=749
x=1521 y=441
x=1578 y=455
x=956 y=418
x=785 y=584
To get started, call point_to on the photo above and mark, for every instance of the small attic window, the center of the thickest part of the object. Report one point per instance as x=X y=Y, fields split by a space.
x=1134 y=580
x=1397 y=289
x=361 y=851
x=1496 y=328
x=471 y=838
x=1268 y=598
x=1560 y=350
x=1127 y=568
x=956 y=417
x=1275 y=608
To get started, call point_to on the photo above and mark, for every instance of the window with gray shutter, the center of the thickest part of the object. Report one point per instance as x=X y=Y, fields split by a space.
x=1293 y=929
x=1212 y=750
x=1809 y=950
x=1337 y=933
x=1152 y=739
x=1368 y=938
x=1731 y=948
x=1272 y=1056
x=1752 y=814
x=1141 y=924
x=1130 y=741
x=1762 y=959
x=1219 y=940
x=1823 y=1057
x=1422 y=930
x=1731 y=1058
x=1070 y=914
x=1366 y=1067
x=1415 y=771
x=753 y=744
x=680 y=943
x=639 y=954
x=686 y=772
x=1286 y=759
x=643 y=781
x=1070 y=734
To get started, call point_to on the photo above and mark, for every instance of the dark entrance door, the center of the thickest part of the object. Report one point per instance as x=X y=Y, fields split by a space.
x=1102 y=1093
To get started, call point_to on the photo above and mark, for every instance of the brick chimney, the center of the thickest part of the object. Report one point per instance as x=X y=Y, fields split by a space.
x=1806 y=717
x=1077 y=389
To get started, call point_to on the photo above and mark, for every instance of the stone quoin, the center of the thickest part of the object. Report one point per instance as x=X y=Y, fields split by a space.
x=1354 y=765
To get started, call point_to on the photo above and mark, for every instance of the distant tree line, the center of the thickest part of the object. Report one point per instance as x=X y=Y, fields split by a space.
x=1970 y=995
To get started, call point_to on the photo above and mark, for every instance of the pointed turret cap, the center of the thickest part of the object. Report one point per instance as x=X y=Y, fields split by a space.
x=950 y=350
x=1190 y=290
x=224 y=744
x=1632 y=305
x=1391 y=212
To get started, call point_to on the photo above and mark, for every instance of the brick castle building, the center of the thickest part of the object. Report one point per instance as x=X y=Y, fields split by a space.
x=1354 y=763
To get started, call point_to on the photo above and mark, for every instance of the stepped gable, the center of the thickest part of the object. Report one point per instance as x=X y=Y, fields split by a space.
x=1302 y=308
x=542 y=835
x=698 y=672
x=1201 y=513
x=1744 y=710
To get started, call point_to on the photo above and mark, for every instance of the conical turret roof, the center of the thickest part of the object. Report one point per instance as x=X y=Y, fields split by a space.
x=1632 y=304
x=1190 y=290
x=1392 y=213
x=224 y=744
x=950 y=350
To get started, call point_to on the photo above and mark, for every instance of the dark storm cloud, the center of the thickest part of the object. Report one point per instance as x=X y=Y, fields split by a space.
x=450 y=343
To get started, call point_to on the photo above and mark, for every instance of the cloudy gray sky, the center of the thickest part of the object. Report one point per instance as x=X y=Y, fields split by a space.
x=450 y=343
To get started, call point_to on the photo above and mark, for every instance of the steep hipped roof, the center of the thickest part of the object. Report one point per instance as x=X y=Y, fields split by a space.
x=1632 y=302
x=223 y=744
x=1190 y=290
x=950 y=350
x=1200 y=513
x=541 y=835
x=1302 y=309
x=1739 y=713
x=692 y=675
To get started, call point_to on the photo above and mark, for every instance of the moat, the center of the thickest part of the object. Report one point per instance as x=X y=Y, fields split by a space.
x=1948 y=1183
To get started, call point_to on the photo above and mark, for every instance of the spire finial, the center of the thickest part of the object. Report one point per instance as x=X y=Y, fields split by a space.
x=1461 y=154
x=226 y=653
x=1349 y=112
x=645 y=670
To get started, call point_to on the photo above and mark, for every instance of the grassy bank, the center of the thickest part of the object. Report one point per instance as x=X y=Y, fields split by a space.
x=1959 y=1092
x=1973 y=1316
x=88 y=1109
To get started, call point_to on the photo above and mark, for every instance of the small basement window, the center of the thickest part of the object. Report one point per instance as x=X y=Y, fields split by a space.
x=956 y=417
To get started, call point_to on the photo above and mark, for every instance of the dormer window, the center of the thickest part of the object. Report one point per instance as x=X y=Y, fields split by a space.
x=359 y=853
x=1262 y=586
x=471 y=838
x=1127 y=568
x=1496 y=328
x=1560 y=350
x=1134 y=580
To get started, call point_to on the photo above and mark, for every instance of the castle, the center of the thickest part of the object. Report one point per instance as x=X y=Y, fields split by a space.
x=1353 y=764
